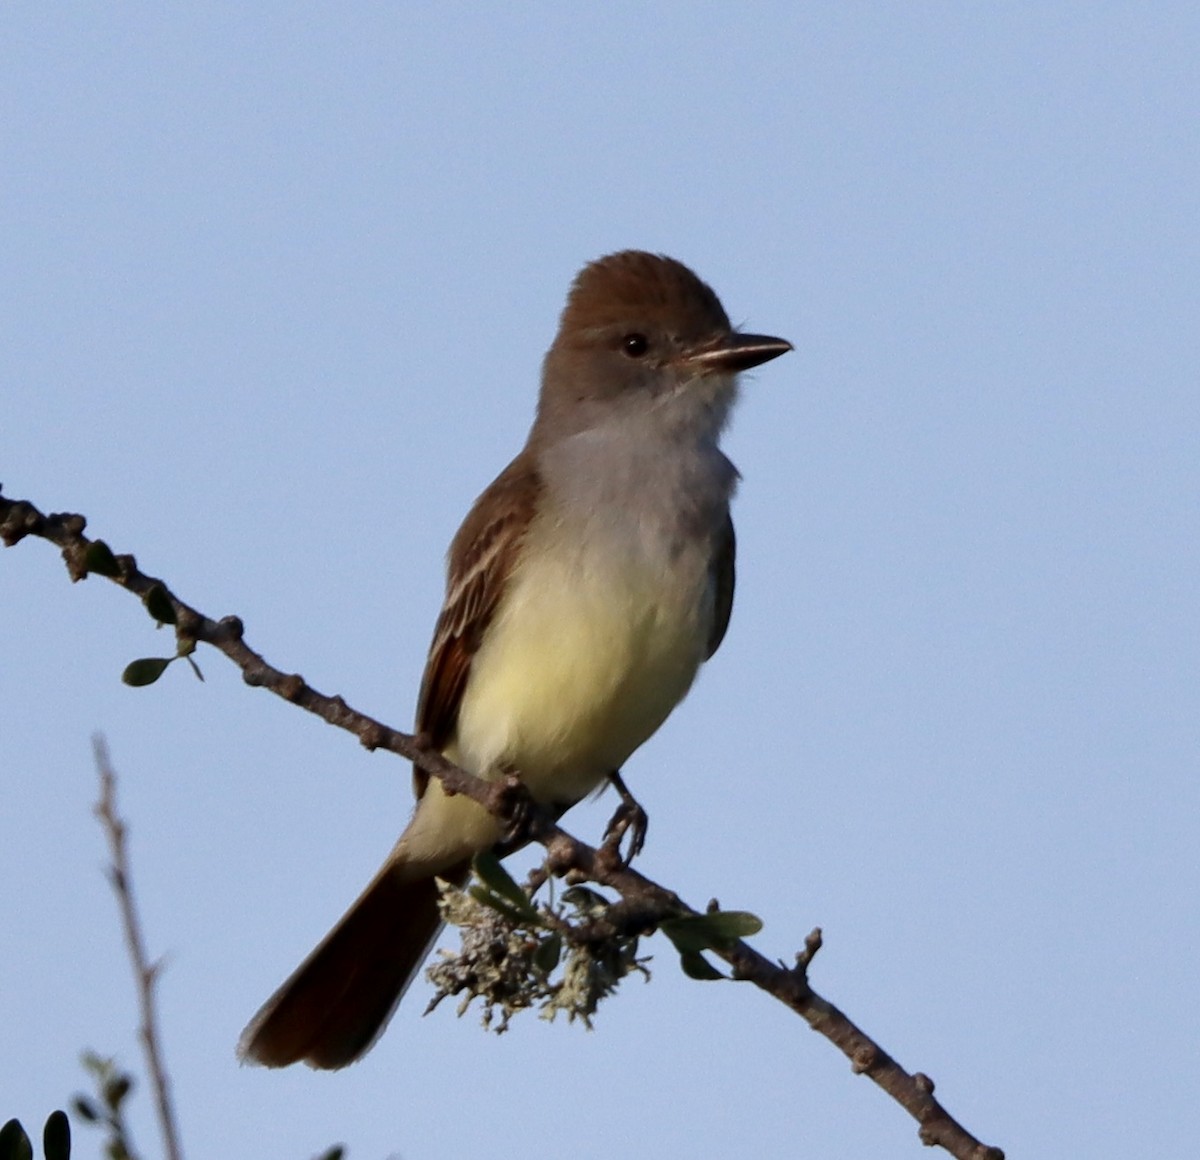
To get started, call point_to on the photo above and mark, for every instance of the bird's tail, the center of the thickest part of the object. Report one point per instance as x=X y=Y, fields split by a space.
x=335 y=1004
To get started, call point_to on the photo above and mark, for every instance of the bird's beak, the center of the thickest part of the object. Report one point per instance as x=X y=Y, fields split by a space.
x=738 y=352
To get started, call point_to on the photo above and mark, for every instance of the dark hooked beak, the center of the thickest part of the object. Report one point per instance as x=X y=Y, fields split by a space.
x=738 y=352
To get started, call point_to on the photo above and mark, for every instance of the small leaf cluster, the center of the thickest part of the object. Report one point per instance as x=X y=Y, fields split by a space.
x=113 y=1087
x=147 y=670
x=56 y=1139
x=716 y=930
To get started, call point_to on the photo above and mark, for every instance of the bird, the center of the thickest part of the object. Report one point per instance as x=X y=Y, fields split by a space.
x=585 y=588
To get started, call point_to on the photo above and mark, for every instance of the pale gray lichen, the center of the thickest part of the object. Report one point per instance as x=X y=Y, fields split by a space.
x=517 y=957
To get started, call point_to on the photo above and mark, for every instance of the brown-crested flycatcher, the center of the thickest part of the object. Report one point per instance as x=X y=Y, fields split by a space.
x=584 y=589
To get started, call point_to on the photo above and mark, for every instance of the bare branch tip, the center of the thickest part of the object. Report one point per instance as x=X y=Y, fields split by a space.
x=804 y=958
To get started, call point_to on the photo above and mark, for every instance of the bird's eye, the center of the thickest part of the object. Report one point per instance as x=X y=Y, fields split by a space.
x=635 y=345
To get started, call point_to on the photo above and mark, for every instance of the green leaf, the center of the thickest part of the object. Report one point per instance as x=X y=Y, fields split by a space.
x=158 y=604
x=498 y=880
x=701 y=932
x=85 y=1109
x=56 y=1137
x=734 y=924
x=548 y=954
x=99 y=559
x=696 y=966
x=145 y=671
x=689 y=934
x=14 y=1144
x=116 y=1089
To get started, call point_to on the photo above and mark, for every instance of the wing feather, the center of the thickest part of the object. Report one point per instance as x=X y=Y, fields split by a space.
x=724 y=577
x=479 y=564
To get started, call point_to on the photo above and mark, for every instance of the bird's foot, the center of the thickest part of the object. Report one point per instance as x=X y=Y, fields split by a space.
x=629 y=819
x=519 y=810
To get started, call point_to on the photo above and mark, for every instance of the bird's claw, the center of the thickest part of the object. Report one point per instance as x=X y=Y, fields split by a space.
x=520 y=812
x=630 y=818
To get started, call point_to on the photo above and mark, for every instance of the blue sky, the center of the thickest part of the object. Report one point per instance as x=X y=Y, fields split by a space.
x=277 y=282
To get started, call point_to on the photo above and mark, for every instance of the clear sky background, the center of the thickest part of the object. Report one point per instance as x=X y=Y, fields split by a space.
x=276 y=282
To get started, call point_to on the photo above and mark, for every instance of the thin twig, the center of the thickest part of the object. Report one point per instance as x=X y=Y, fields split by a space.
x=645 y=903
x=145 y=972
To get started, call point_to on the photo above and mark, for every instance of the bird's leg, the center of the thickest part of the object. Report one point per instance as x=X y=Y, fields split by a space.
x=629 y=819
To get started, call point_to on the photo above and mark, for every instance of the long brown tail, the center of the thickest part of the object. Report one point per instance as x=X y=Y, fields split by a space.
x=335 y=1004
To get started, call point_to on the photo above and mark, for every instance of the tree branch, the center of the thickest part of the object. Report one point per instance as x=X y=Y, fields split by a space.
x=144 y=971
x=646 y=903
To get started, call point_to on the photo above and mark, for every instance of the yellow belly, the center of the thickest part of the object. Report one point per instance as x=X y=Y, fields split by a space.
x=584 y=661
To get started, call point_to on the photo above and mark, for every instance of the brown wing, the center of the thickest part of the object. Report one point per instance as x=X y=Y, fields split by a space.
x=479 y=563
x=723 y=574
